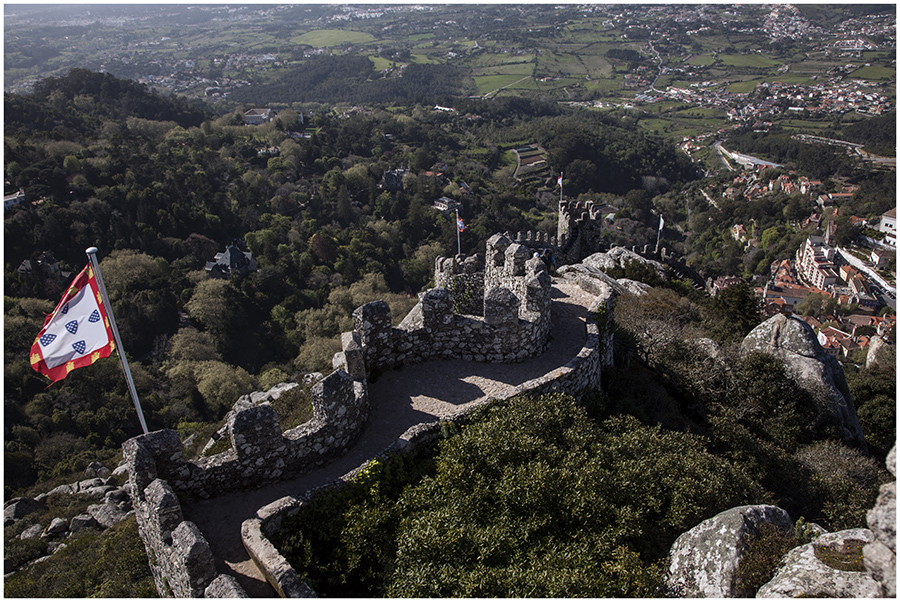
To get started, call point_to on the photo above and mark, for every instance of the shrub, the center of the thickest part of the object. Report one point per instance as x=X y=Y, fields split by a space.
x=342 y=540
x=844 y=483
x=763 y=554
x=874 y=393
x=294 y=407
x=531 y=498
x=108 y=565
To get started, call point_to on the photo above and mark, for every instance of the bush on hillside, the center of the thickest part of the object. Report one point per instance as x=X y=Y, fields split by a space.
x=112 y=564
x=532 y=498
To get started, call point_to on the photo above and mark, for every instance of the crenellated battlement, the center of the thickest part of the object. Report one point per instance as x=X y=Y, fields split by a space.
x=260 y=452
x=533 y=239
x=463 y=276
x=582 y=211
x=180 y=558
x=578 y=229
x=494 y=308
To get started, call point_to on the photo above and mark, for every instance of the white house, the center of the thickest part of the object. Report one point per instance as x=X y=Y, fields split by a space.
x=888 y=225
x=11 y=200
x=258 y=116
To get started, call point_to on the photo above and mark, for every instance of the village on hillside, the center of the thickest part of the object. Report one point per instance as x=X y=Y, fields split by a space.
x=841 y=291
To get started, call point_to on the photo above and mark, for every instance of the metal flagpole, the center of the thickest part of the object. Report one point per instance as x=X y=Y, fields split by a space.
x=458 y=245
x=92 y=258
x=659 y=231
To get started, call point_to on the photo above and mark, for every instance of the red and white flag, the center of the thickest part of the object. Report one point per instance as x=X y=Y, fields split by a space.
x=76 y=334
x=559 y=179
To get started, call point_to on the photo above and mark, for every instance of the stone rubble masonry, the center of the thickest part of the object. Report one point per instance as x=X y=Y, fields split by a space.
x=580 y=374
x=514 y=324
x=260 y=452
x=180 y=558
x=463 y=276
x=578 y=230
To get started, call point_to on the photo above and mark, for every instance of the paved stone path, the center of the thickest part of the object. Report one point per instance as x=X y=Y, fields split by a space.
x=399 y=399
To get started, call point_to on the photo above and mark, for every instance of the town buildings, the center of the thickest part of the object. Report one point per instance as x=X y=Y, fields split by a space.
x=815 y=272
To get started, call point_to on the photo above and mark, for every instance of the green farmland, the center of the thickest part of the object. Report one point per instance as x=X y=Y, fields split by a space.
x=325 y=38
x=874 y=73
x=748 y=60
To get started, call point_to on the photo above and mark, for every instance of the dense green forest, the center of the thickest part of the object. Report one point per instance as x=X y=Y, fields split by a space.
x=878 y=134
x=354 y=79
x=160 y=186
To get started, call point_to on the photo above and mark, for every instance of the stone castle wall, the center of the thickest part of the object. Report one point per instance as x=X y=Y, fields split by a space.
x=578 y=230
x=260 y=452
x=463 y=276
x=513 y=324
x=580 y=374
x=180 y=559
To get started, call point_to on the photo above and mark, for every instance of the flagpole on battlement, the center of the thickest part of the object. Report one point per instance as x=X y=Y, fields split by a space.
x=458 y=245
x=92 y=258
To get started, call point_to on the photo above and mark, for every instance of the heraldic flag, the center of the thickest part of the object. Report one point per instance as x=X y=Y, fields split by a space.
x=76 y=334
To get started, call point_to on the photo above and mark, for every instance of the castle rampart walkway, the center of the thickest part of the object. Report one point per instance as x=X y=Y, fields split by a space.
x=399 y=399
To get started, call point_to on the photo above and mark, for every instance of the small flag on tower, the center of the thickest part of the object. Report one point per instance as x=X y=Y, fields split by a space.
x=459 y=223
x=660 y=222
x=559 y=179
x=76 y=334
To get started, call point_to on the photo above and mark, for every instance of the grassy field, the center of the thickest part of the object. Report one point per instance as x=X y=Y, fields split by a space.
x=491 y=83
x=804 y=125
x=596 y=66
x=425 y=59
x=555 y=62
x=875 y=73
x=700 y=112
x=519 y=69
x=748 y=60
x=702 y=60
x=323 y=38
x=789 y=78
x=380 y=63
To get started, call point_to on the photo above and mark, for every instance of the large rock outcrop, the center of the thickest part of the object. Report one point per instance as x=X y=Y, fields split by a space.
x=619 y=257
x=794 y=342
x=854 y=563
x=880 y=352
x=703 y=562
x=828 y=567
x=595 y=281
x=880 y=556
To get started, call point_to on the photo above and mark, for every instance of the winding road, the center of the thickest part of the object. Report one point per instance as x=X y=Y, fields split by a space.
x=399 y=399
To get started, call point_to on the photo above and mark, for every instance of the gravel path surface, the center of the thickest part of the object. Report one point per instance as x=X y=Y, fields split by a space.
x=399 y=399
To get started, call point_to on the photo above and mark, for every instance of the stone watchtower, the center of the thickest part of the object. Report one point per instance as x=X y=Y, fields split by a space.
x=578 y=230
x=495 y=309
x=472 y=280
